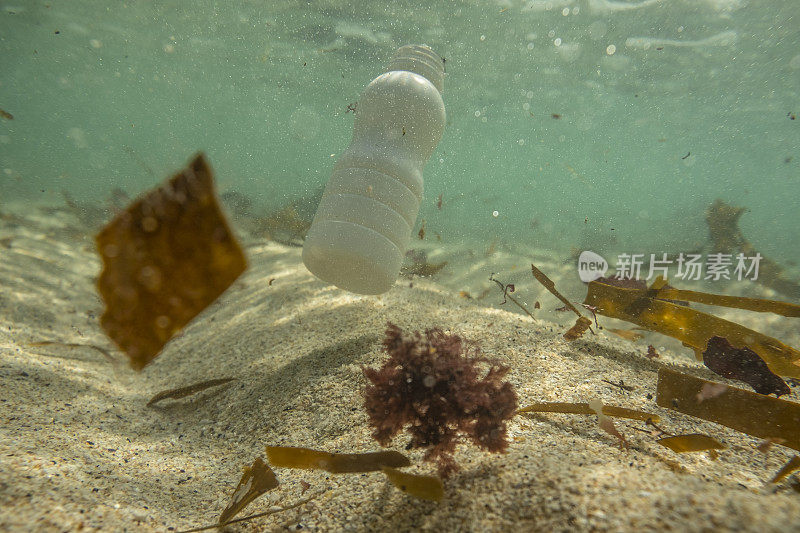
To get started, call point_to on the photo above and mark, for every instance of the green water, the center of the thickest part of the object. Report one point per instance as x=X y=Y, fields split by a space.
x=109 y=94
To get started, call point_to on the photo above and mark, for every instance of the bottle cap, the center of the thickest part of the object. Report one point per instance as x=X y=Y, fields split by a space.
x=420 y=60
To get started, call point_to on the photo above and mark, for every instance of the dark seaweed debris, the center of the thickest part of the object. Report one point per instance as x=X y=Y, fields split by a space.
x=432 y=386
x=742 y=364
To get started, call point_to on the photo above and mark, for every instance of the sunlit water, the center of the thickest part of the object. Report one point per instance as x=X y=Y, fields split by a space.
x=567 y=118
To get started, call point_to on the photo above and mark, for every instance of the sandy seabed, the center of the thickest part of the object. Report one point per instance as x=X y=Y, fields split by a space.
x=80 y=450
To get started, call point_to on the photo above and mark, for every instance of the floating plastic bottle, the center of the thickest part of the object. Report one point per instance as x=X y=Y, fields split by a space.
x=367 y=213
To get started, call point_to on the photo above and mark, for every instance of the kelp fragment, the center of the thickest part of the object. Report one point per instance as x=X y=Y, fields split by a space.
x=726 y=237
x=548 y=284
x=755 y=414
x=692 y=327
x=167 y=257
x=742 y=364
x=335 y=463
x=423 y=487
x=578 y=329
x=252 y=516
x=734 y=302
x=788 y=468
x=581 y=324
x=100 y=349
x=182 y=392
x=256 y=480
x=693 y=442
x=584 y=409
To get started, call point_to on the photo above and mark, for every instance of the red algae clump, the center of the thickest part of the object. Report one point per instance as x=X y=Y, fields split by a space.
x=432 y=385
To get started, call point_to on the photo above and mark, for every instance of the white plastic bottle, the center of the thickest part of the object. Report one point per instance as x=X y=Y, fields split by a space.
x=364 y=222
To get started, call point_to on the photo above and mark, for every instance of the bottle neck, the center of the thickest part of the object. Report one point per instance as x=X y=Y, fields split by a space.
x=419 y=60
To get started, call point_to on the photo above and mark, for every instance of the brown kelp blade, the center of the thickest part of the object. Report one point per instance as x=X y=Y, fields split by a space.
x=692 y=327
x=256 y=480
x=693 y=442
x=419 y=486
x=735 y=302
x=755 y=414
x=335 y=463
x=548 y=284
x=167 y=257
x=584 y=409
x=182 y=392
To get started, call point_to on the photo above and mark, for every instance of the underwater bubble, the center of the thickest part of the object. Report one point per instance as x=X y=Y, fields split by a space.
x=521 y=142
x=478 y=113
x=495 y=213
x=531 y=46
x=565 y=11
x=429 y=381
x=526 y=106
x=610 y=49
x=483 y=37
x=557 y=41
